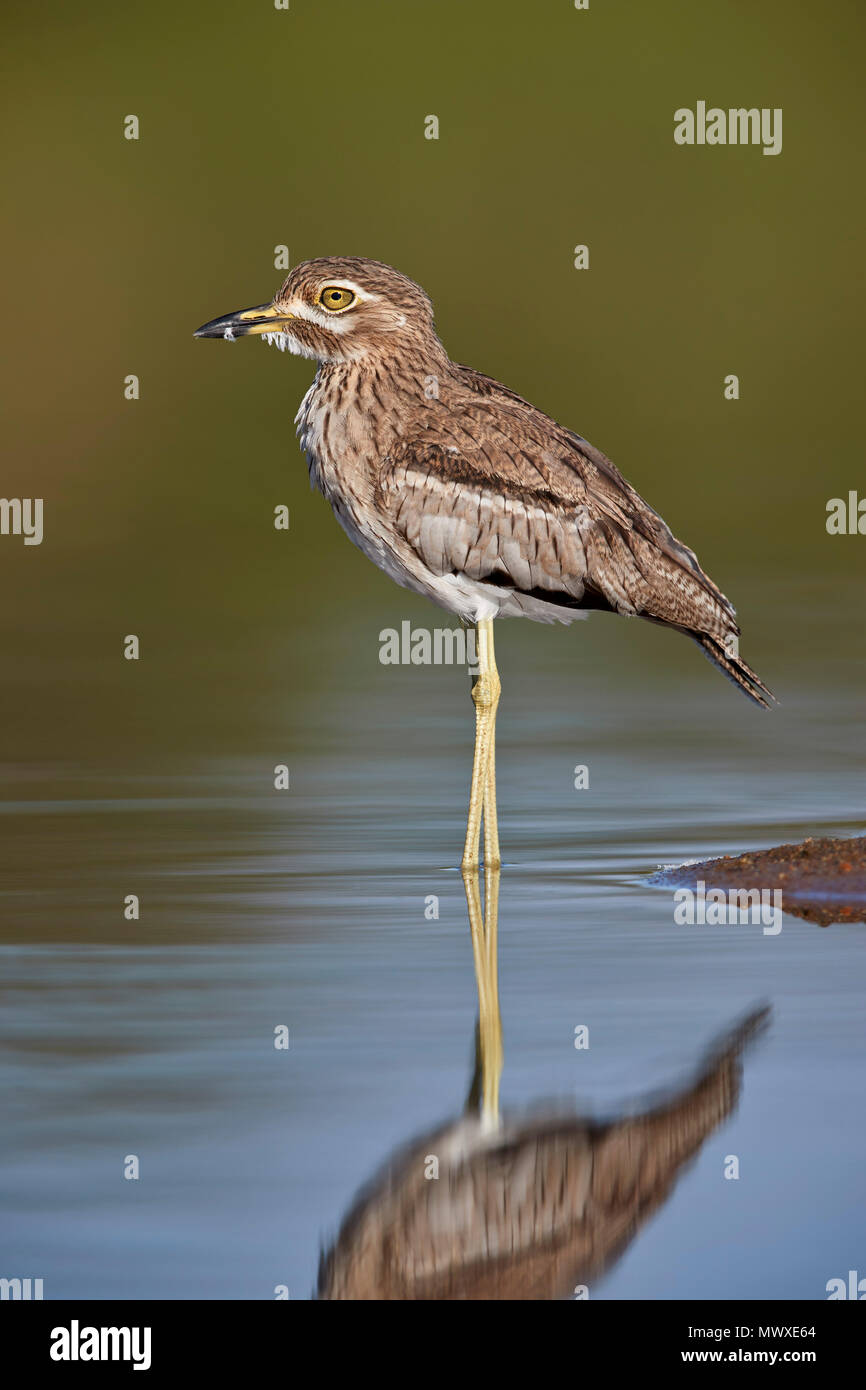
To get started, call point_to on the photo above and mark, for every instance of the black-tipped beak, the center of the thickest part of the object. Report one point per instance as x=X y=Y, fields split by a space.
x=264 y=318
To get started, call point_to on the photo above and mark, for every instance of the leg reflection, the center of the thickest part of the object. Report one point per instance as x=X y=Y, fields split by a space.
x=483 y=926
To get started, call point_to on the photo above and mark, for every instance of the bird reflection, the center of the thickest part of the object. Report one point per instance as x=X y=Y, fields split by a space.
x=522 y=1206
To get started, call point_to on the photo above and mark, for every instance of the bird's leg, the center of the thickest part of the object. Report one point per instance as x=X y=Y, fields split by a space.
x=490 y=1028
x=488 y=1038
x=482 y=795
x=491 y=825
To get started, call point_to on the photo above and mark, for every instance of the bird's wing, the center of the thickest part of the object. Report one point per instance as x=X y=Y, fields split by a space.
x=498 y=491
x=494 y=489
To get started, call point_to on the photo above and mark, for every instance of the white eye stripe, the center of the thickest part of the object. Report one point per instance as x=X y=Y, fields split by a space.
x=335 y=321
x=346 y=285
x=338 y=319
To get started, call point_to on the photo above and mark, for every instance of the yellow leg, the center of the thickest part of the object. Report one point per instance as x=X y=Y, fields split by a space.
x=491 y=824
x=484 y=937
x=482 y=796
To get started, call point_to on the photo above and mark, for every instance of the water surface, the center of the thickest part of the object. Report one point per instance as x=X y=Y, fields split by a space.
x=306 y=908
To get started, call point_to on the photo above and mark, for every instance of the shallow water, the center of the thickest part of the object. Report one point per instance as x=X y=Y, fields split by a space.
x=306 y=908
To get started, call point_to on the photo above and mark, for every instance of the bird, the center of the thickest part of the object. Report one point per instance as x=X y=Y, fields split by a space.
x=550 y=1200
x=463 y=491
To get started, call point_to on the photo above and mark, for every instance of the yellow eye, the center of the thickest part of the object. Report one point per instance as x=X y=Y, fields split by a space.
x=335 y=298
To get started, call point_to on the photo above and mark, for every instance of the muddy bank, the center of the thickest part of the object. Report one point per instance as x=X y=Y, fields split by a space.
x=822 y=880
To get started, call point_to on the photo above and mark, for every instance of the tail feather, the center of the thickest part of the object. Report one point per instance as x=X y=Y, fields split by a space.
x=735 y=669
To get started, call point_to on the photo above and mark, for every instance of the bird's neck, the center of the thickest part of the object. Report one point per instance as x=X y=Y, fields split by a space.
x=406 y=372
x=356 y=413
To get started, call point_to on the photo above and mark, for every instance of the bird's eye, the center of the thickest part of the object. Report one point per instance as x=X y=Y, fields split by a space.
x=333 y=297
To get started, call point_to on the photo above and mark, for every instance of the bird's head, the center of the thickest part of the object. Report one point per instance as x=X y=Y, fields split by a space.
x=337 y=309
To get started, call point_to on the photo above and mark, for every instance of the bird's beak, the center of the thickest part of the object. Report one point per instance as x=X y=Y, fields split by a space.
x=264 y=318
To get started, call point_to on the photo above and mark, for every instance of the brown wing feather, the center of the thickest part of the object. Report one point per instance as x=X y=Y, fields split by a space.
x=494 y=489
x=612 y=495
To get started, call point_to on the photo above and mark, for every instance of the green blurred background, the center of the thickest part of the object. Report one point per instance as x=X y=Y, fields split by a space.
x=306 y=127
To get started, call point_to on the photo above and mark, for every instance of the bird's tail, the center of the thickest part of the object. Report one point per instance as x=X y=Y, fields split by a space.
x=735 y=669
